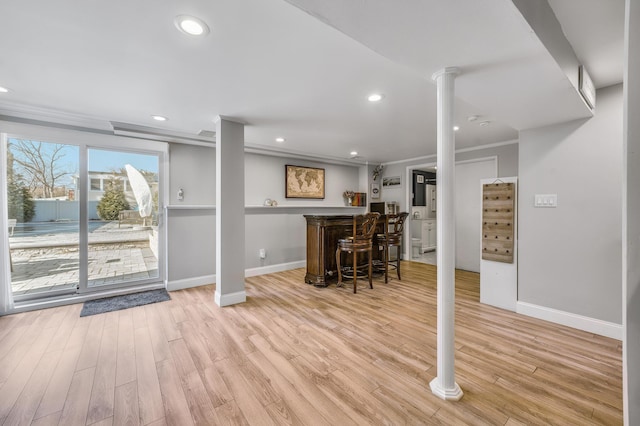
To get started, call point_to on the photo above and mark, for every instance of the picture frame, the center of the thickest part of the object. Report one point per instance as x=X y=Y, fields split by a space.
x=391 y=182
x=304 y=182
x=375 y=191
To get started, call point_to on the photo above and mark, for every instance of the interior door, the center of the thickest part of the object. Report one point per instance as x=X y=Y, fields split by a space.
x=468 y=176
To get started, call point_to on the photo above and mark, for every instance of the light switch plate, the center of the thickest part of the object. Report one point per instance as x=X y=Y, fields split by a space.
x=546 y=200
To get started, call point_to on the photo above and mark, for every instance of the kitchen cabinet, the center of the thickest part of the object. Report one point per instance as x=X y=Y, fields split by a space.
x=426 y=230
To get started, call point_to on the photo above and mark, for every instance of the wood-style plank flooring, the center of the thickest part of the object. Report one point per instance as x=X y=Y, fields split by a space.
x=295 y=354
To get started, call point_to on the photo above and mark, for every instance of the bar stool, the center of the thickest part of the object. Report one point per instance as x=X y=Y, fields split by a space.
x=364 y=226
x=392 y=237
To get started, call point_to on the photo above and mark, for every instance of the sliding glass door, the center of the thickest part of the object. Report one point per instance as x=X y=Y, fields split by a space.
x=81 y=218
x=123 y=200
x=44 y=217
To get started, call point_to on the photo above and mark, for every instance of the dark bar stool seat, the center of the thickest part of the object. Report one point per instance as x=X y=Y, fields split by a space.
x=392 y=237
x=361 y=241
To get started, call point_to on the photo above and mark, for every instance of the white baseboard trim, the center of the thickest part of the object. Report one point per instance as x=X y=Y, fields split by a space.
x=191 y=282
x=231 y=298
x=592 y=325
x=252 y=272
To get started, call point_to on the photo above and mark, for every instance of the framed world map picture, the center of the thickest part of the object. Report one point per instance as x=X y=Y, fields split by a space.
x=304 y=182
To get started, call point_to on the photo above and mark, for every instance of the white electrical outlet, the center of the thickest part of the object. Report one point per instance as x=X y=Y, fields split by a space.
x=262 y=253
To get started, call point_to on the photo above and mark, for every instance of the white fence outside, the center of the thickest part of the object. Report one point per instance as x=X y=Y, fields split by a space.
x=53 y=210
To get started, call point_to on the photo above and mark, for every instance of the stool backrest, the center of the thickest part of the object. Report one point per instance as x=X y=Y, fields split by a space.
x=364 y=226
x=395 y=223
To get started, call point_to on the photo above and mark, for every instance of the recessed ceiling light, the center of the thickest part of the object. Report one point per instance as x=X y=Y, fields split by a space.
x=376 y=97
x=484 y=123
x=3 y=89
x=280 y=139
x=191 y=25
x=159 y=118
x=456 y=128
x=354 y=153
x=473 y=118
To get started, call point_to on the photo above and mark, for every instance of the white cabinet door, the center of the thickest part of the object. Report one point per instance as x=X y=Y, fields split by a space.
x=433 y=234
x=429 y=234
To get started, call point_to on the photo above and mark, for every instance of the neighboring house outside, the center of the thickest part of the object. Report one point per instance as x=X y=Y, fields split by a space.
x=98 y=183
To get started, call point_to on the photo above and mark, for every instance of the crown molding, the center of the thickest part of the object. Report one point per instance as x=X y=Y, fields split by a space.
x=156 y=134
x=275 y=152
x=11 y=111
x=458 y=151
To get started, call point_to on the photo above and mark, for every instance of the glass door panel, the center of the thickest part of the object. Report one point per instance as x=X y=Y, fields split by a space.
x=122 y=214
x=43 y=212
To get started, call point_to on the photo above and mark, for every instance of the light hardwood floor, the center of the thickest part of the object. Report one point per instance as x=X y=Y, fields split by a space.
x=295 y=354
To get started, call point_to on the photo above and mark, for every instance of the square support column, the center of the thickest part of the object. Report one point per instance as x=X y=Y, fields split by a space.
x=229 y=212
x=631 y=218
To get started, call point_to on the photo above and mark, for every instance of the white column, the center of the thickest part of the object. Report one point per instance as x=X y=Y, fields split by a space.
x=444 y=385
x=229 y=212
x=631 y=218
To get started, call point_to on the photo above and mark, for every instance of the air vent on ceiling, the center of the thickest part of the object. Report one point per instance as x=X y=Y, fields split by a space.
x=152 y=133
x=207 y=134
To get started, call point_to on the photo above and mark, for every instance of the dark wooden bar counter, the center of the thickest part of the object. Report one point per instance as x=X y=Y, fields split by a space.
x=323 y=233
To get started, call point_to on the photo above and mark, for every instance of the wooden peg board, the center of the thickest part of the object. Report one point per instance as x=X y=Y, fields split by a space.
x=498 y=215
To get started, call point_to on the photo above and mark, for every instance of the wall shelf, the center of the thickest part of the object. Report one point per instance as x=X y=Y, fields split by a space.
x=290 y=208
x=256 y=208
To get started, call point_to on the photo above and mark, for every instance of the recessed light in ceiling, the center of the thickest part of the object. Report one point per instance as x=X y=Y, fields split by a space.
x=191 y=25
x=159 y=118
x=280 y=139
x=354 y=153
x=484 y=123
x=375 y=97
x=456 y=128
x=3 y=89
x=473 y=118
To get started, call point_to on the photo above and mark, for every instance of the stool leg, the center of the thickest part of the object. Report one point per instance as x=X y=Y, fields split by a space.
x=370 y=269
x=386 y=263
x=355 y=271
x=398 y=252
x=339 y=283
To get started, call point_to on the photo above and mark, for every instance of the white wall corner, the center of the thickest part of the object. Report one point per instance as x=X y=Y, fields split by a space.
x=591 y=325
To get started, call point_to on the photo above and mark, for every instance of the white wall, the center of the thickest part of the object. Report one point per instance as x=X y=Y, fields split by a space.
x=191 y=247
x=280 y=231
x=569 y=256
x=265 y=178
x=192 y=168
x=191 y=233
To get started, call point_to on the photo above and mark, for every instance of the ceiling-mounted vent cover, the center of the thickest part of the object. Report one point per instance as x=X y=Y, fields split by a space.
x=155 y=134
x=207 y=134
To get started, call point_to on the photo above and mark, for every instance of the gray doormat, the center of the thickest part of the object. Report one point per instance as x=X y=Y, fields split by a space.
x=116 y=303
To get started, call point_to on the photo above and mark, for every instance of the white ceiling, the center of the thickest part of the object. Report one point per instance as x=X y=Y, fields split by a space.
x=275 y=66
